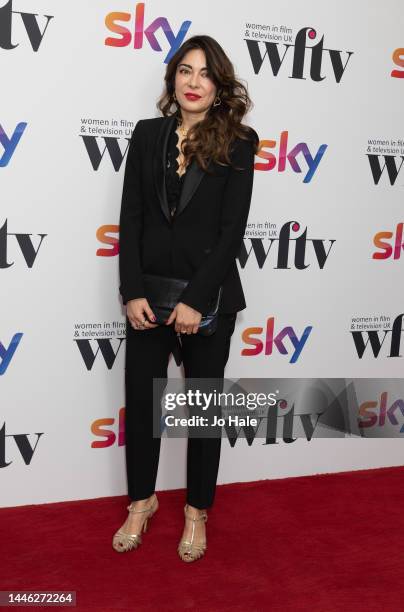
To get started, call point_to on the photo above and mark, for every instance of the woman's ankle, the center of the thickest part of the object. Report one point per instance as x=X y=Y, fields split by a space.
x=143 y=501
x=195 y=510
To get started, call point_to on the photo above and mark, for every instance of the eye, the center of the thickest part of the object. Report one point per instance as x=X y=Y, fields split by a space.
x=184 y=70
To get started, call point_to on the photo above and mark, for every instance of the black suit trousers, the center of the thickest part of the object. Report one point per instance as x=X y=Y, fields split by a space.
x=147 y=356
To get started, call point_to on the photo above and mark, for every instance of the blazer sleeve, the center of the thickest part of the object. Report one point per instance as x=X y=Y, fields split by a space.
x=205 y=283
x=131 y=223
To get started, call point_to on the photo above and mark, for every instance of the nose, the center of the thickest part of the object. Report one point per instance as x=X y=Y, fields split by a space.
x=194 y=80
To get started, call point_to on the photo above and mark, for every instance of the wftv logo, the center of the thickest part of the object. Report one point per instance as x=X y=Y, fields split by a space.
x=271 y=342
x=6 y=354
x=93 y=339
x=259 y=50
x=289 y=156
x=104 y=345
x=398 y=59
x=9 y=144
x=363 y=339
x=126 y=36
x=25 y=244
x=30 y=23
x=393 y=169
x=283 y=246
x=21 y=441
x=110 y=144
x=387 y=249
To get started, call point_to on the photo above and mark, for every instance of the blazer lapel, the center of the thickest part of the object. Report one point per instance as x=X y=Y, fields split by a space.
x=159 y=163
x=193 y=175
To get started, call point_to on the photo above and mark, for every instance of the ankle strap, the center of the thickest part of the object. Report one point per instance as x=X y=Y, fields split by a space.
x=203 y=516
x=134 y=511
x=144 y=509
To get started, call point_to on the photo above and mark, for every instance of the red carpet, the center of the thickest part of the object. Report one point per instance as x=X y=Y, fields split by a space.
x=314 y=543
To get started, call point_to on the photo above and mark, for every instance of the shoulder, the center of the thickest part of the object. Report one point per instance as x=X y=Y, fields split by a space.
x=254 y=135
x=152 y=121
x=250 y=138
x=243 y=149
x=144 y=127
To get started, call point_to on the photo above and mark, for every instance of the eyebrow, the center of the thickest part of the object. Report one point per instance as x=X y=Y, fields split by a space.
x=189 y=66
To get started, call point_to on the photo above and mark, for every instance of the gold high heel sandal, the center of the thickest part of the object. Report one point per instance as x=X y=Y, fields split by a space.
x=188 y=550
x=123 y=542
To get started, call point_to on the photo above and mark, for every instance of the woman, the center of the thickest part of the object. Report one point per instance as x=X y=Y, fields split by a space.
x=185 y=203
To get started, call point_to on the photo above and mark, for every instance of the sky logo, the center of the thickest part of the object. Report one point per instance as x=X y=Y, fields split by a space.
x=104 y=235
x=9 y=144
x=126 y=36
x=6 y=354
x=387 y=248
x=272 y=341
x=298 y=156
x=381 y=413
x=398 y=59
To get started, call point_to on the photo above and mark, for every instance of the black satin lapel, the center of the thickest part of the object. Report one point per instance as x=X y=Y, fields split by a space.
x=193 y=177
x=159 y=166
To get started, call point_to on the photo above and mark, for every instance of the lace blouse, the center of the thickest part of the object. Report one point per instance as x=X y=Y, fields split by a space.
x=174 y=181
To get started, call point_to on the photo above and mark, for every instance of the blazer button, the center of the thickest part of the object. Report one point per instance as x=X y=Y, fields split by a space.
x=207 y=250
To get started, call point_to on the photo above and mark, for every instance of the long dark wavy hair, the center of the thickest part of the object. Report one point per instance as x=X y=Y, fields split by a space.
x=213 y=136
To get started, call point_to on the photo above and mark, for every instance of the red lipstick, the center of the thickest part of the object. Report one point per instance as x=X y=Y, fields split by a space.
x=192 y=96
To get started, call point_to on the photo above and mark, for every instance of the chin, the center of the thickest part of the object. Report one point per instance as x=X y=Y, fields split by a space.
x=193 y=108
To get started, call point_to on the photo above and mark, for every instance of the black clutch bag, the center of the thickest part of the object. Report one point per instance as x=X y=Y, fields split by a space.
x=163 y=294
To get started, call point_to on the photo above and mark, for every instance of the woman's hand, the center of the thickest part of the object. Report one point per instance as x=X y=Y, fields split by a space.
x=136 y=311
x=186 y=318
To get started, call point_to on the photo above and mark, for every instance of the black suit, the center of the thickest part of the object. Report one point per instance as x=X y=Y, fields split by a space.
x=202 y=241
x=199 y=245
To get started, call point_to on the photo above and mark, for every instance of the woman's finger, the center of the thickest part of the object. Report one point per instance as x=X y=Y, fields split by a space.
x=138 y=321
x=171 y=318
x=149 y=313
x=149 y=325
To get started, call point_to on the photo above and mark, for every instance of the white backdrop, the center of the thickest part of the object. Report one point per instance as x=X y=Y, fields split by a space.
x=62 y=392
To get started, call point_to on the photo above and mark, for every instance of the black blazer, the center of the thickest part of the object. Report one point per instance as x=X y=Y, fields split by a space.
x=201 y=242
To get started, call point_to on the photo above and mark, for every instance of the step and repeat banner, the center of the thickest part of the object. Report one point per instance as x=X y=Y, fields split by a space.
x=322 y=257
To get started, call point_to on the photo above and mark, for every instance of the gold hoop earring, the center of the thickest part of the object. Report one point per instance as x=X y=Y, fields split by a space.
x=217 y=103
